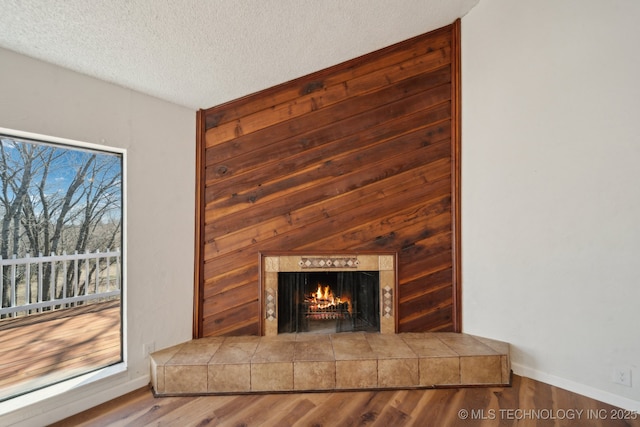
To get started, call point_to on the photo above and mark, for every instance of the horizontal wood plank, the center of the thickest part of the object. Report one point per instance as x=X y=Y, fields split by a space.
x=42 y=349
x=329 y=95
x=263 y=100
x=430 y=89
x=358 y=157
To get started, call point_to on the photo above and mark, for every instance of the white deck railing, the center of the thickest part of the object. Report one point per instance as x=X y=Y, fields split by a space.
x=35 y=284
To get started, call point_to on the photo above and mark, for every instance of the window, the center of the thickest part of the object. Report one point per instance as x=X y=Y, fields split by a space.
x=61 y=284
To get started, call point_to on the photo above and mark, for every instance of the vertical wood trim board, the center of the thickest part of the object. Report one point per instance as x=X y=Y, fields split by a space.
x=456 y=198
x=199 y=222
x=362 y=156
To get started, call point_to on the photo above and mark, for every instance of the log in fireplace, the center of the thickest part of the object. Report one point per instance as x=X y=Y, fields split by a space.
x=329 y=301
x=304 y=293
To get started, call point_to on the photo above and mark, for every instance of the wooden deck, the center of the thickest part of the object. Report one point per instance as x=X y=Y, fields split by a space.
x=46 y=348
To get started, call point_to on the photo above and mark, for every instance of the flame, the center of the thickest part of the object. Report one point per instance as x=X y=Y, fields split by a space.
x=322 y=295
x=323 y=298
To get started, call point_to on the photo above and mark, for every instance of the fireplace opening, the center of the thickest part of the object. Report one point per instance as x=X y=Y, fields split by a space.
x=328 y=302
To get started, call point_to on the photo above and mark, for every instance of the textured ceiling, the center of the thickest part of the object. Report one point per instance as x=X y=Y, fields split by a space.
x=201 y=53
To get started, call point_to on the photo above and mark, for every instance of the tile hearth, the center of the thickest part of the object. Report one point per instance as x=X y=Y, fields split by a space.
x=325 y=362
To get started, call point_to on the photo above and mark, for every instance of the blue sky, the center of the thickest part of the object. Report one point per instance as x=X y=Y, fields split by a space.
x=65 y=163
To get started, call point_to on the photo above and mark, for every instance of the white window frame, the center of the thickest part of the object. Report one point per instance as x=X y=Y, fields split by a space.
x=76 y=384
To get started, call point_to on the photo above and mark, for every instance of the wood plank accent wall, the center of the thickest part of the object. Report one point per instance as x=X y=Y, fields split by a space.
x=362 y=156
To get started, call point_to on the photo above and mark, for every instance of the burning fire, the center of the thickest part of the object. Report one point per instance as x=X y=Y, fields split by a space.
x=324 y=294
x=323 y=299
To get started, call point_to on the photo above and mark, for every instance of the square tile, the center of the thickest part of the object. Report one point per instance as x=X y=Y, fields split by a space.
x=389 y=346
x=481 y=370
x=196 y=352
x=439 y=371
x=323 y=338
x=207 y=341
x=504 y=349
x=157 y=361
x=189 y=358
x=466 y=345
x=398 y=373
x=274 y=351
x=506 y=369
x=185 y=379
x=157 y=376
x=499 y=346
x=320 y=350
x=163 y=356
x=235 y=351
x=351 y=347
x=229 y=378
x=428 y=345
x=273 y=376
x=319 y=375
x=356 y=374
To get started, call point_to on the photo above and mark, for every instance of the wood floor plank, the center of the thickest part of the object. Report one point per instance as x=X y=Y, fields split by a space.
x=299 y=409
x=539 y=405
x=258 y=414
x=190 y=413
x=406 y=401
x=236 y=404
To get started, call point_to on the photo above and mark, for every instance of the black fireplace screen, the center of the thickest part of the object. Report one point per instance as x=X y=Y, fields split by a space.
x=327 y=302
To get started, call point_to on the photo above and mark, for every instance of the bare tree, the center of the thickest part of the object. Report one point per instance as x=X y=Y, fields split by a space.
x=101 y=199
x=16 y=172
x=55 y=199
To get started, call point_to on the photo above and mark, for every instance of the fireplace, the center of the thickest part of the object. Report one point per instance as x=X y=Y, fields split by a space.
x=316 y=293
x=328 y=301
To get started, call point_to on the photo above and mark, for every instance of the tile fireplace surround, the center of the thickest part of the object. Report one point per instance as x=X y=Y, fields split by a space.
x=328 y=362
x=272 y=264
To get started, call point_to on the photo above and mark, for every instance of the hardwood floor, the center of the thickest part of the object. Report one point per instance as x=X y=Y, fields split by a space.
x=44 y=348
x=525 y=403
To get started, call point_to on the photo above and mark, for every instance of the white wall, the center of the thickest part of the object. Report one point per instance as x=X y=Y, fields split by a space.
x=160 y=141
x=551 y=188
x=551 y=198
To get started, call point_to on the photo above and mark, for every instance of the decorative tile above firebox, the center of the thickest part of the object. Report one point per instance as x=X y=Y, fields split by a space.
x=325 y=262
x=382 y=262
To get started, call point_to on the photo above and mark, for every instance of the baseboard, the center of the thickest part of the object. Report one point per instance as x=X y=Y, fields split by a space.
x=575 y=387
